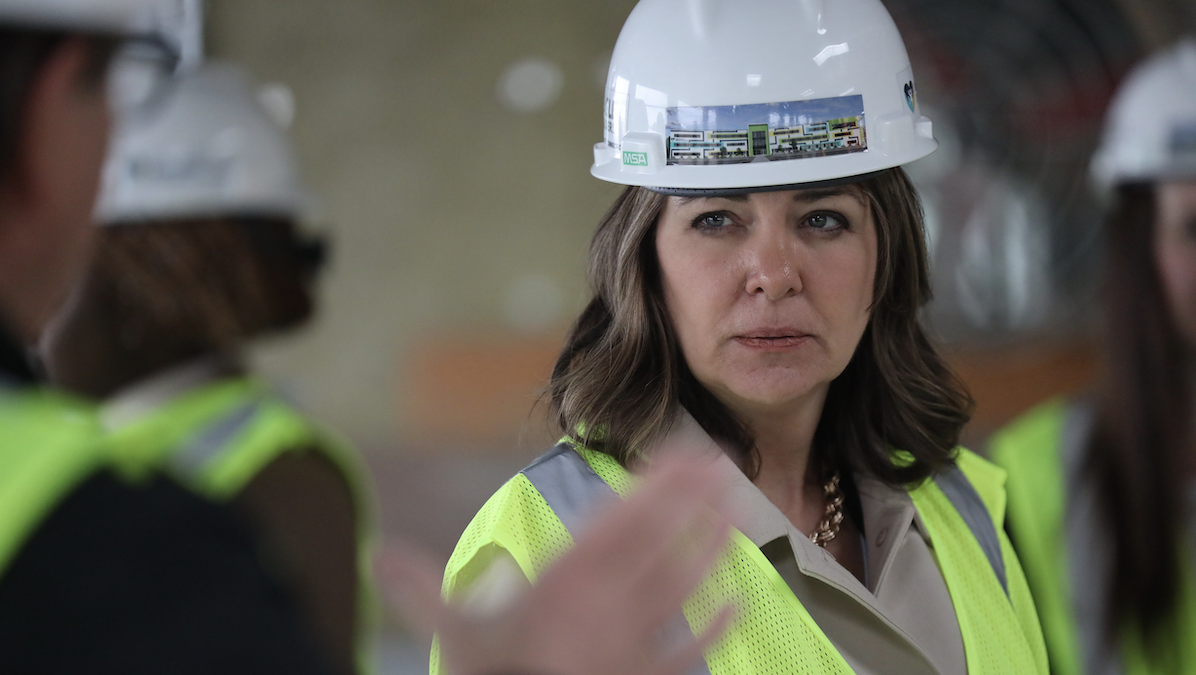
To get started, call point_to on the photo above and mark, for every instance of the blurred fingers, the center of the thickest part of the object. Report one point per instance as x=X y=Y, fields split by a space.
x=410 y=580
x=691 y=654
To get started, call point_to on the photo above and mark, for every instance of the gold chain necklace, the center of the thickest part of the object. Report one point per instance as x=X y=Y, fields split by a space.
x=828 y=527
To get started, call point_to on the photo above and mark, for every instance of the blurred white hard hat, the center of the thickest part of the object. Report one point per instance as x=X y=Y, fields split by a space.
x=1150 y=130
x=87 y=16
x=210 y=144
x=718 y=94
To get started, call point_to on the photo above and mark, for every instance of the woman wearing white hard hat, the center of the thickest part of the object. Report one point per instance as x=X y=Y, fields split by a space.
x=1100 y=487
x=200 y=252
x=100 y=571
x=756 y=297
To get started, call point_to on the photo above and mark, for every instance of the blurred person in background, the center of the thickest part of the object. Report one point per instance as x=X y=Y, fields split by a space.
x=100 y=571
x=756 y=298
x=200 y=252
x=1102 y=488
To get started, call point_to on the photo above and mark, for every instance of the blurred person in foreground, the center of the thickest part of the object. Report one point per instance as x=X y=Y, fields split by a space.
x=105 y=566
x=100 y=571
x=757 y=289
x=200 y=252
x=1102 y=488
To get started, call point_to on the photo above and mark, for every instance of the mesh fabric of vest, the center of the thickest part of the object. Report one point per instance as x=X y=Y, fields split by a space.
x=1028 y=451
x=1001 y=633
x=772 y=633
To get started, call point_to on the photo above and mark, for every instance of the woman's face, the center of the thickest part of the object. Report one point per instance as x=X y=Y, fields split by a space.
x=1175 y=251
x=770 y=292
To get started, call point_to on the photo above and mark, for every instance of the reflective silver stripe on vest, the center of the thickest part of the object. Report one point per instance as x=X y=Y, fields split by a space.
x=573 y=490
x=194 y=455
x=569 y=485
x=959 y=491
x=1085 y=533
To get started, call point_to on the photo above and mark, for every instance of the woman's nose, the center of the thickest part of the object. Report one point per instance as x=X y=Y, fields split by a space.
x=773 y=264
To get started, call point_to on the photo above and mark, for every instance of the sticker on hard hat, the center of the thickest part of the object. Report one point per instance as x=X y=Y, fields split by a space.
x=635 y=158
x=734 y=134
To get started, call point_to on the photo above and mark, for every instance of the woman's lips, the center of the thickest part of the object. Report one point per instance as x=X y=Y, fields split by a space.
x=773 y=339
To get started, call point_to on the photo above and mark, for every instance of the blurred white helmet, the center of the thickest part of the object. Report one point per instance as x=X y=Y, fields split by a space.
x=1150 y=131
x=719 y=94
x=210 y=144
x=87 y=16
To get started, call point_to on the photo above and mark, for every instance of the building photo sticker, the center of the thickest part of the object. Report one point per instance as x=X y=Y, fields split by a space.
x=766 y=131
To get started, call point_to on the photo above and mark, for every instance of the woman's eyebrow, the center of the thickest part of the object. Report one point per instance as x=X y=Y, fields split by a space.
x=817 y=194
x=806 y=196
x=682 y=201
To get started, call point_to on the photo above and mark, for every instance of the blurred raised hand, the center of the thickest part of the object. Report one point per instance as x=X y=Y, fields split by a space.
x=604 y=606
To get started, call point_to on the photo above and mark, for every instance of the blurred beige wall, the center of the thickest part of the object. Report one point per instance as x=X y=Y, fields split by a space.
x=454 y=217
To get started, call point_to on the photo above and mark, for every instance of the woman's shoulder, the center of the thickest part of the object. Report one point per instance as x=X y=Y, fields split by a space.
x=986 y=478
x=518 y=520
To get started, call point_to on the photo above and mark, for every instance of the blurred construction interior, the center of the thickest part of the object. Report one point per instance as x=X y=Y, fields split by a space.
x=450 y=142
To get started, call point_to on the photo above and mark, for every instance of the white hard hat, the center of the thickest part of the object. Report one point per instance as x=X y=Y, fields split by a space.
x=210 y=144
x=87 y=16
x=725 y=94
x=1150 y=131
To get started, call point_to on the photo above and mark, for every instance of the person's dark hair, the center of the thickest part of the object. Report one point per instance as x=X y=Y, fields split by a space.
x=621 y=373
x=203 y=284
x=23 y=52
x=1141 y=445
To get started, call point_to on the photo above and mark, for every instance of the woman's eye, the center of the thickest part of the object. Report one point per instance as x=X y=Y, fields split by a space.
x=712 y=221
x=824 y=221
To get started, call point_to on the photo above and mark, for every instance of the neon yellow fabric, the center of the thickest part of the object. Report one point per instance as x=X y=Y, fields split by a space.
x=995 y=639
x=48 y=445
x=772 y=633
x=275 y=429
x=1030 y=450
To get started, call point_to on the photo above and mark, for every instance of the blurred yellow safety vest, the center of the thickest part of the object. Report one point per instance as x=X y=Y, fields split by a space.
x=1042 y=452
x=534 y=516
x=49 y=444
x=216 y=438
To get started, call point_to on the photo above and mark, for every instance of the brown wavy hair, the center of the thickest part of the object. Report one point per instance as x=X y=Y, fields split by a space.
x=1142 y=443
x=621 y=374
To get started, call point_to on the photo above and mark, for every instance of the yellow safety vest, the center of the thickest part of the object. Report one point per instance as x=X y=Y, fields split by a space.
x=1033 y=450
x=217 y=437
x=533 y=517
x=49 y=444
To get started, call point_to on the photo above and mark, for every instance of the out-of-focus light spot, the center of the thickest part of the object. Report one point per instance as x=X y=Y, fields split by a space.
x=533 y=303
x=530 y=85
x=279 y=102
x=1002 y=278
x=753 y=80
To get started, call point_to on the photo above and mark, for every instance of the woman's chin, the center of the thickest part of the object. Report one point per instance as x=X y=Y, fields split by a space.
x=768 y=395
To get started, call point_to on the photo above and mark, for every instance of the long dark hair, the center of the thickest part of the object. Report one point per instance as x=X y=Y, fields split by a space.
x=1141 y=444
x=621 y=374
